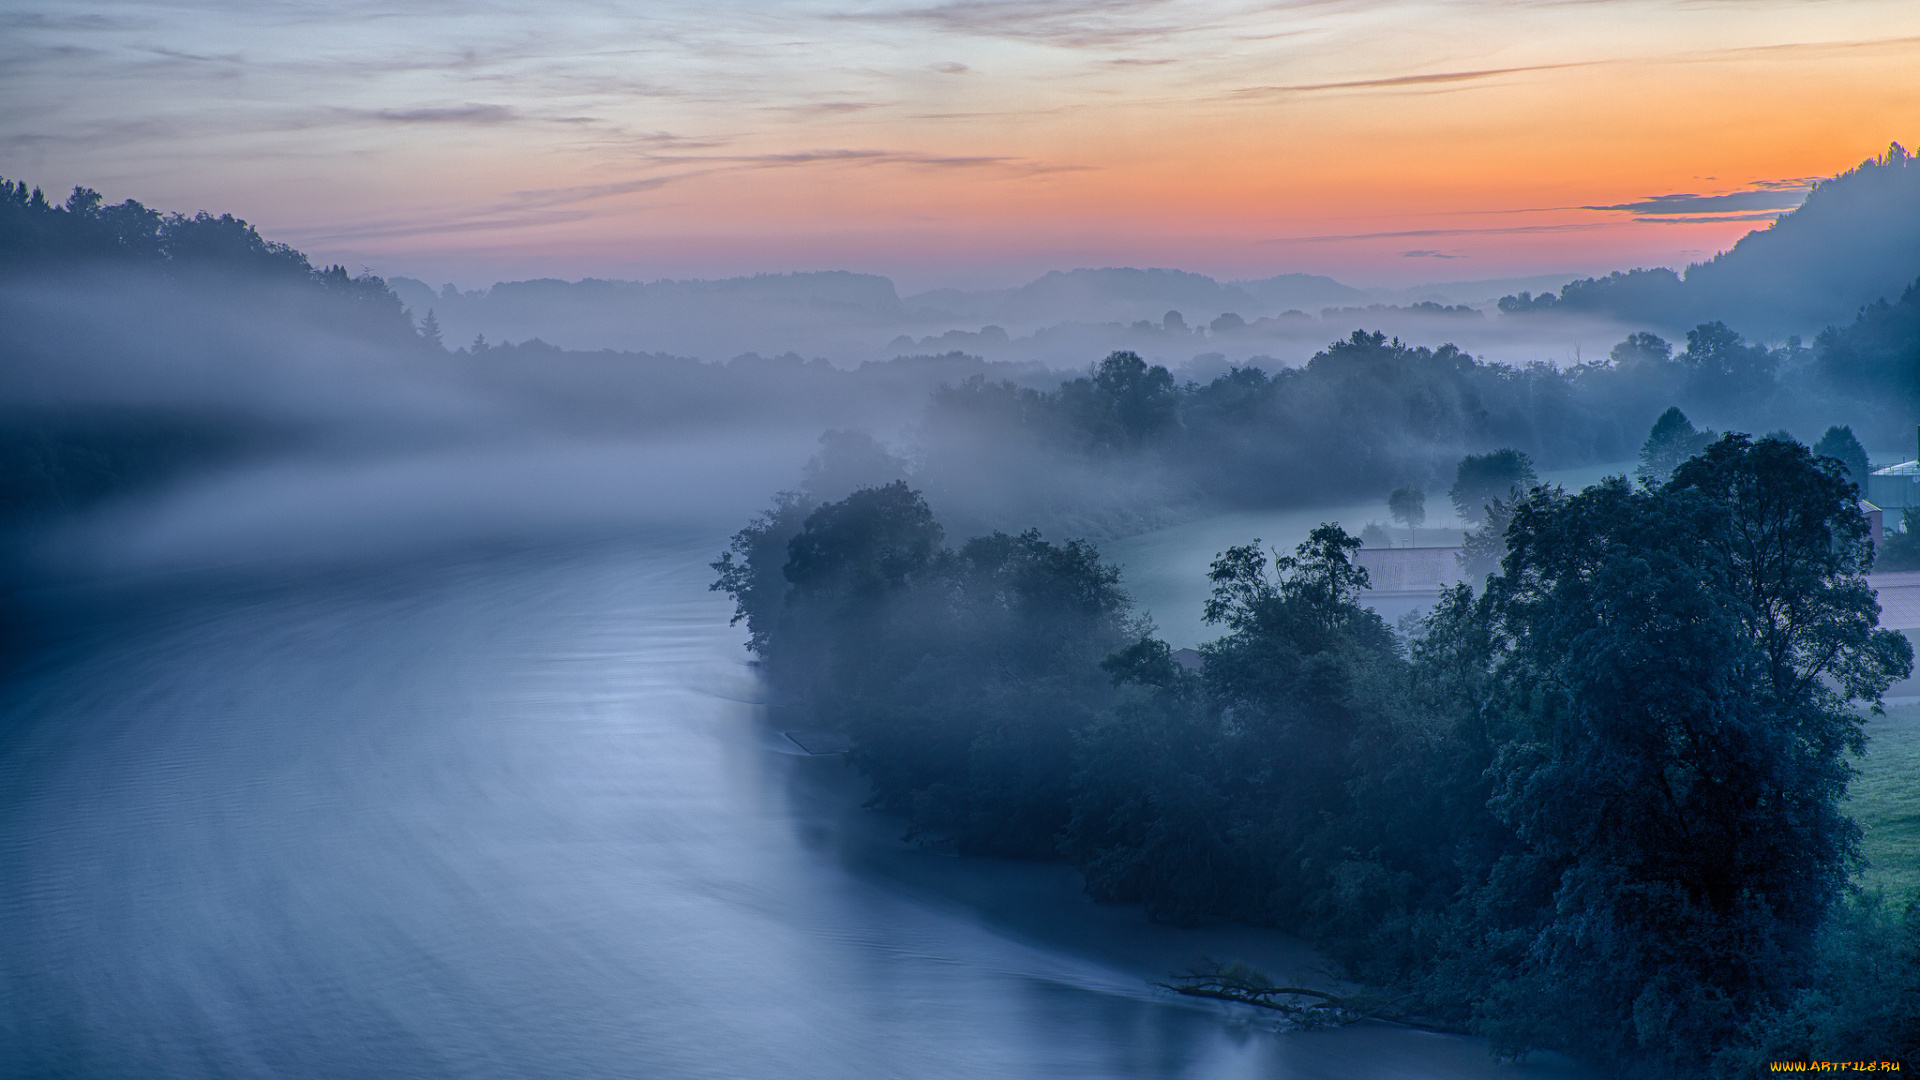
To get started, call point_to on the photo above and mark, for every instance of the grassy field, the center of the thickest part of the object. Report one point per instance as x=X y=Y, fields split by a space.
x=1886 y=800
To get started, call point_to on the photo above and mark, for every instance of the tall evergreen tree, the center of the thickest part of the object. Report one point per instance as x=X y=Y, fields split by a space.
x=1672 y=441
x=1838 y=443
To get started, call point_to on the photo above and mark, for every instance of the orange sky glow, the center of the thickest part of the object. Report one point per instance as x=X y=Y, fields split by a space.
x=974 y=142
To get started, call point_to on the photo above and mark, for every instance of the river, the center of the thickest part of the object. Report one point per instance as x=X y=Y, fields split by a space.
x=516 y=812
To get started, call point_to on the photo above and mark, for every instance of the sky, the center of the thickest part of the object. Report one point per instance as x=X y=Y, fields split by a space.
x=968 y=143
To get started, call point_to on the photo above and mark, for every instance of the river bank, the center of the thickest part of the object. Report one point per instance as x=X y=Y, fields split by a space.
x=517 y=815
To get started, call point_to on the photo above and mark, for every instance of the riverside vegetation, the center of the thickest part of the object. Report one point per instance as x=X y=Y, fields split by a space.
x=1596 y=805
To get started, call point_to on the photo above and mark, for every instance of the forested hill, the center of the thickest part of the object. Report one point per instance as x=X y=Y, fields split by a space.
x=132 y=343
x=85 y=237
x=1855 y=241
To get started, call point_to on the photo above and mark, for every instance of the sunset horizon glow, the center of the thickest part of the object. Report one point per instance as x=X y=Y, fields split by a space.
x=972 y=143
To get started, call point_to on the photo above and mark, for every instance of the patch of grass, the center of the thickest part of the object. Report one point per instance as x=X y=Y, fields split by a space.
x=1886 y=801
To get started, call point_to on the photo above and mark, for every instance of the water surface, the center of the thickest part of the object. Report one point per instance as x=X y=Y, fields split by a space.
x=518 y=814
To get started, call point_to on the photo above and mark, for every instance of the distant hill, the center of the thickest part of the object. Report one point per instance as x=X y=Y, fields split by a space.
x=1853 y=242
x=842 y=314
x=721 y=318
x=1305 y=292
x=1124 y=294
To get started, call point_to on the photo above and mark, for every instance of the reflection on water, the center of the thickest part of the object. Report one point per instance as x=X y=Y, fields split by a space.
x=518 y=815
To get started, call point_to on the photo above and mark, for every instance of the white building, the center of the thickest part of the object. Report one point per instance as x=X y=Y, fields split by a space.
x=1895 y=487
x=1421 y=571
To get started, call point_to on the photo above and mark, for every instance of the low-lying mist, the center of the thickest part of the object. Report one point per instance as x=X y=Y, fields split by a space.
x=180 y=389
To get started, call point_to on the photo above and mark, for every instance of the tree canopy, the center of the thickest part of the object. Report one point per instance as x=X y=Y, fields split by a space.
x=1481 y=478
x=1596 y=806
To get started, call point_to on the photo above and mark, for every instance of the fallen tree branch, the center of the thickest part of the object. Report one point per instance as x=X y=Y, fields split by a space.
x=1239 y=983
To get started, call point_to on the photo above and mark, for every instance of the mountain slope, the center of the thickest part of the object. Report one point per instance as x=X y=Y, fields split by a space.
x=1854 y=241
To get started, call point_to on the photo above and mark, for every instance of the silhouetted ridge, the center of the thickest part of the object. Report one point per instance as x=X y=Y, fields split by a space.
x=1855 y=240
x=86 y=236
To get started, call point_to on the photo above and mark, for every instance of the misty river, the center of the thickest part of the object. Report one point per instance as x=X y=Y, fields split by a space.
x=520 y=813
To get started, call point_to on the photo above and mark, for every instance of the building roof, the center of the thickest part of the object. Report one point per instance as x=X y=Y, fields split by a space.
x=1905 y=468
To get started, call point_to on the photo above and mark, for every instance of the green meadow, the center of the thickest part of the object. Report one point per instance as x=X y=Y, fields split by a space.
x=1886 y=801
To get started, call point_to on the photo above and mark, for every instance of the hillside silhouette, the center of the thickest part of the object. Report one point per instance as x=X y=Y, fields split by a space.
x=1854 y=242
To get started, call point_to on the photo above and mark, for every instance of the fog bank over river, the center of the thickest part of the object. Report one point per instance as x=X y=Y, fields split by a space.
x=516 y=812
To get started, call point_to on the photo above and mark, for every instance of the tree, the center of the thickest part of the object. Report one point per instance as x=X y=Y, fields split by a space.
x=1482 y=548
x=1672 y=441
x=1642 y=350
x=1228 y=794
x=848 y=461
x=961 y=677
x=1838 y=443
x=1122 y=402
x=1408 y=505
x=1679 y=664
x=1723 y=368
x=1878 y=356
x=751 y=569
x=430 y=330
x=1479 y=478
x=868 y=542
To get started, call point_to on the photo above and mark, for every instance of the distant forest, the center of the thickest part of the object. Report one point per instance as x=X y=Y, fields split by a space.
x=1851 y=241
x=1482 y=821
x=1363 y=416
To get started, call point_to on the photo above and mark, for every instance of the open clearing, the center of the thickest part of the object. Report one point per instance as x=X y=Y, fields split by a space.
x=1886 y=800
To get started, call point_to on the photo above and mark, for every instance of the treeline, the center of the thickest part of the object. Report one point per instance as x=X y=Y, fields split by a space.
x=85 y=236
x=1851 y=241
x=1595 y=806
x=1369 y=413
x=995 y=446
x=138 y=346
x=85 y=287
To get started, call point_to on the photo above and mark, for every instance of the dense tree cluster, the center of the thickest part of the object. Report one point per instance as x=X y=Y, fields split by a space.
x=1368 y=412
x=960 y=674
x=1372 y=414
x=170 y=283
x=1879 y=352
x=1595 y=806
x=1851 y=240
x=85 y=235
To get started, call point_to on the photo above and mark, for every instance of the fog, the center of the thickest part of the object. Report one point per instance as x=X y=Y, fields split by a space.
x=1059 y=320
x=288 y=427
x=367 y=701
x=368 y=714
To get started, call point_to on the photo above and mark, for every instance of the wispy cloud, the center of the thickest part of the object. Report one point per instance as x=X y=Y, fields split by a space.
x=41 y=20
x=706 y=165
x=1407 y=234
x=196 y=58
x=1073 y=24
x=541 y=207
x=1423 y=253
x=416 y=225
x=1711 y=219
x=1774 y=198
x=455 y=114
x=847 y=157
x=1436 y=78
x=828 y=108
x=543 y=198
